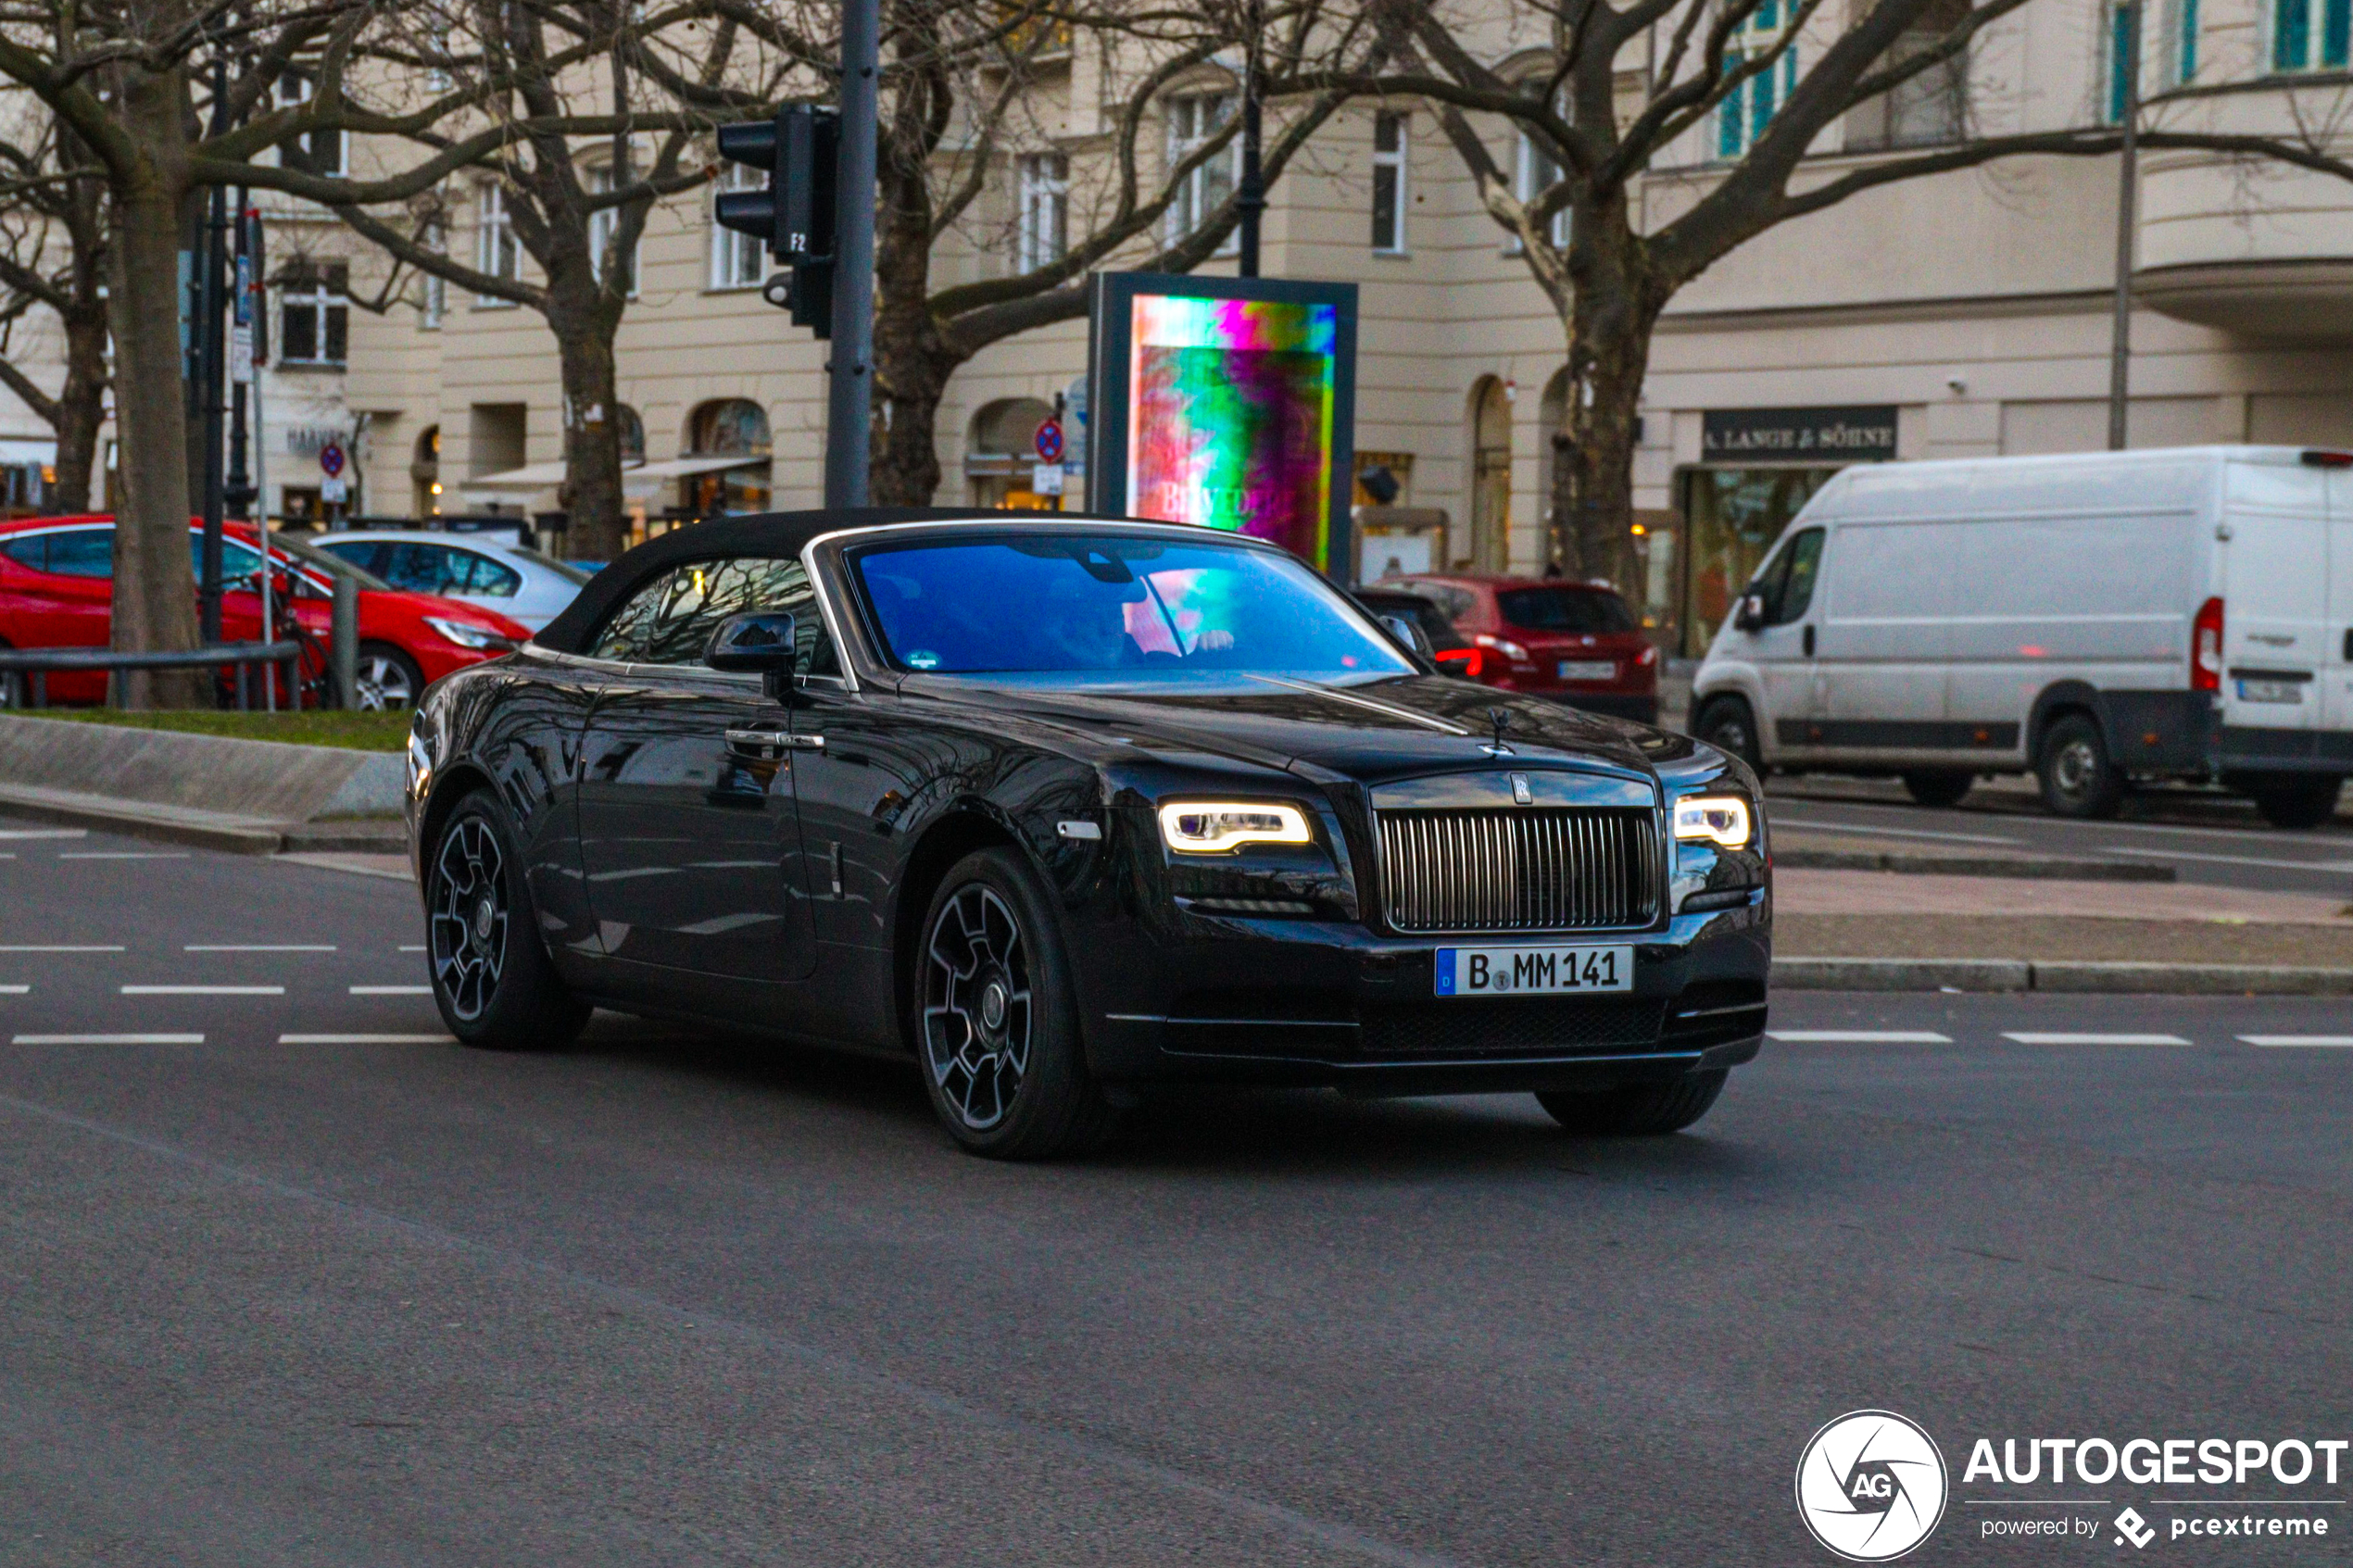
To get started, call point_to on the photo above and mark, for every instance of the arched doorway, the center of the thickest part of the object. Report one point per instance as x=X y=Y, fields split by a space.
x=1490 y=476
x=733 y=427
x=1001 y=453
x=424 y=474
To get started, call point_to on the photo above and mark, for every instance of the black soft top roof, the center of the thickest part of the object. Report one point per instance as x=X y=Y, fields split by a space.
x=761 y=534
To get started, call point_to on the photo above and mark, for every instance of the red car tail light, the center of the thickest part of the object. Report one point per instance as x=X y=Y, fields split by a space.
x=2206 y=647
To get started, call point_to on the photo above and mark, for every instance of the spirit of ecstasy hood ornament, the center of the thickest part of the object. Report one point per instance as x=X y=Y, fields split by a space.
x=1502 y=718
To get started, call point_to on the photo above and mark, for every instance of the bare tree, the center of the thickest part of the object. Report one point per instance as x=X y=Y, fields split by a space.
x=1693 y=63
x=965 y=94
x=53 y=258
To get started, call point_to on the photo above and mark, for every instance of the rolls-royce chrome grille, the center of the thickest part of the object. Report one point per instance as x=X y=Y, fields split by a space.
x=1547 y=868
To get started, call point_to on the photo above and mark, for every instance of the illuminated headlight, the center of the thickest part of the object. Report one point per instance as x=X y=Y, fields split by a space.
x=1211 y=827
x=1720 y=819
x=467 y=636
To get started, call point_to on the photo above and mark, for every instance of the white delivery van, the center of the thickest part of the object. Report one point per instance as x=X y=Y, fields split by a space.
x=2095 y=618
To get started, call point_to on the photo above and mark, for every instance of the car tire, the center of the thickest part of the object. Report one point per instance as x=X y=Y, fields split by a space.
x=389 y=680
x=1939 y=788
x=1640 y=1110
x=996 y=1018
x=2078 y=777
x=2296 y=802
x=1728 y=724
x=492 y=978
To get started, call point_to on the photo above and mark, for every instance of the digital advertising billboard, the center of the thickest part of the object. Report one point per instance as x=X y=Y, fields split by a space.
x=1228 y=402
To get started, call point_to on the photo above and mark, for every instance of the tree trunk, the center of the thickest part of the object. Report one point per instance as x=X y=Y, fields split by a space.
x=154 y=586
x=1612 y=316
x=595 y=522
x=912 y=368
x=82 y=406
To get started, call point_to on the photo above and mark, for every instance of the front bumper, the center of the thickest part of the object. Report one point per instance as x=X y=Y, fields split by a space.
x=1313 y=1003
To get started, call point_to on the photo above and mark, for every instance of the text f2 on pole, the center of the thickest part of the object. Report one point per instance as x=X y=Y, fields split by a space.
x=793 y=214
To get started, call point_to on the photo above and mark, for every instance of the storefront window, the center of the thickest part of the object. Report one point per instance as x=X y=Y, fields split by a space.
x=1731 y=518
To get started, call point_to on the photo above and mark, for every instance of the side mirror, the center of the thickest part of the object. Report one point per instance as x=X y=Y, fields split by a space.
x=1408 y=631
x=1750 y=615
x=758 y=643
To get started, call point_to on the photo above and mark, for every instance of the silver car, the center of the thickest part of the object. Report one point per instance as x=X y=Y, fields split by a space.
x=516 y=582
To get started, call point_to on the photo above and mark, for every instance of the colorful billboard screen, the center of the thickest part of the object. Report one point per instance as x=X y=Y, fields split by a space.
x=1233 y=403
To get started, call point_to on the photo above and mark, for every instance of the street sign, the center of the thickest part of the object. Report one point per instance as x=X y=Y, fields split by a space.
x=331 y=459
x=334 y=492
x=1050 y=441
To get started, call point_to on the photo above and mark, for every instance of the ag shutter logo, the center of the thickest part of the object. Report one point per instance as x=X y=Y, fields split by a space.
x=1870 y=1485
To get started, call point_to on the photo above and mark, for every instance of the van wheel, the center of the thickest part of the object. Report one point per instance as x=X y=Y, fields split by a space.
x=2078 y=778
x=1938 y=789
x=1726 y=723
x=2296 y=802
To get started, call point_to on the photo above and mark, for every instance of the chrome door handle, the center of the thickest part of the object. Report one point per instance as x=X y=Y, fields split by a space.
x=806 y=743
x=761 y=745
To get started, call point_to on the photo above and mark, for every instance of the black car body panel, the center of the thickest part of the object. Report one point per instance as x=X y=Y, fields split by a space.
x=697 y=848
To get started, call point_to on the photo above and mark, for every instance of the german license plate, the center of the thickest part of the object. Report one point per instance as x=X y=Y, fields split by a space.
x=1511 y=972
x=1589 y=670
x=2270 y=691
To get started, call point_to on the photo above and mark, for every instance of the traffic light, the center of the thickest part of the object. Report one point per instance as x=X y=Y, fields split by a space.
x=793 y=214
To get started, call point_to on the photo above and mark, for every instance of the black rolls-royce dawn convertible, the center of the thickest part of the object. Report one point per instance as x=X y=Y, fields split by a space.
x=1068 y=809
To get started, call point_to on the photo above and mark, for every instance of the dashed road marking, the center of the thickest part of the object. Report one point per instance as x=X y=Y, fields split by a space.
x=2041 y=1038
x=417 y=948
x=59 y=948
x=2232 y=859
x=392 y=990
x=1796 y=826
x=204 y=990
x=45 y=832
x=107 y=1040
x=367 y=1039
x=122 y=855
x=14 y=990
x=1860 y=1036
x=258 y=948
x=2343 y=1040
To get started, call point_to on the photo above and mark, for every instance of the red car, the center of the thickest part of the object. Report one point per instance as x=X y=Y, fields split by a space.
x=1549 y=637
x=57 y=590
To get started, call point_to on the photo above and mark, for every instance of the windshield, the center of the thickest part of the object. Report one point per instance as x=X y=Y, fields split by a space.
x=1129 y=607
x=1564 y=610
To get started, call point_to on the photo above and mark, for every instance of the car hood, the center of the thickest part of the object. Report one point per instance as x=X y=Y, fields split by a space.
x=1372 y=733
x=464 y=611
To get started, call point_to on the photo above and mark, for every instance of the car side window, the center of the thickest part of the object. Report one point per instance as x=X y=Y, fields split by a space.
x=33 y=553
x=484 y=576
x=670 y=618
x=236 y=560
x=1796 y=595
x=419 y=569
x=82 y=552
x=368 y=555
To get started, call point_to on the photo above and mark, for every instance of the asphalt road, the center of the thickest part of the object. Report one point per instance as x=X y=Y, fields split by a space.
x=2208 y=838
x=283 y=1294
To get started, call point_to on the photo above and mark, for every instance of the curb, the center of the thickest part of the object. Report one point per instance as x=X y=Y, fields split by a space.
x=201 y=830
x=2078 y=976
x=1969 y=865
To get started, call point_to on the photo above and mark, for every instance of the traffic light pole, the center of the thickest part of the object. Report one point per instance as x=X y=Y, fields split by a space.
x=850 y=400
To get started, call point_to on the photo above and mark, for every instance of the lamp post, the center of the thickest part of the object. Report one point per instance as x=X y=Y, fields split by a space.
x=849 y=390
x=2127 y=26
x=1249 y=191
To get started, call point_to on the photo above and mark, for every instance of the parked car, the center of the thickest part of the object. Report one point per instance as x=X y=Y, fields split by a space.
x=490 y=570
x=1438 y=638
x=1062 y=809
x=57 y=590
x=2094 y=619
x=1573 y=640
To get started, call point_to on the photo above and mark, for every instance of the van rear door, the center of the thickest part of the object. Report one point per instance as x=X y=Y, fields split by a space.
x=2336 y=665
x=2276 y=596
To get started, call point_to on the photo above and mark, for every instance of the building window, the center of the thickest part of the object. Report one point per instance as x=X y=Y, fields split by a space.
x=313 y=152
x=1044 y=232
x=2183 y=36
x=497 y=252
x=1389 y=183
x=1744 y=112
x=1193 y=121
x=1929 y=107
x=314 y=316
x=603 y=223
x=738 y=260
x=432 y=293
x=2311 y=34
x=1533 y=172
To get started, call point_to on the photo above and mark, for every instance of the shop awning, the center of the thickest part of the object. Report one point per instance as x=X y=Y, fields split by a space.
x=26 y=452
x=534 y=476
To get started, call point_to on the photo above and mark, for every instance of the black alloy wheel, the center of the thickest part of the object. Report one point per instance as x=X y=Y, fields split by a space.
x=998 y=1029
x=1726 y=723
x=2077 y=776
x=1939 y=788
x=492 y=979
x=1639 y=1110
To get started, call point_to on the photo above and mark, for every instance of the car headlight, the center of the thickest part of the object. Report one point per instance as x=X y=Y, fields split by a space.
x=1212 y=827
x=1721 y=820
x=468 y=637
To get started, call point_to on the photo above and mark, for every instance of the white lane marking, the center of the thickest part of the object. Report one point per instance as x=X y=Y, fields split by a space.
x=122 y=855
x=1888 y=832
x=2264 y=835
x=14 y=990
x=392 y=990
x=367 y=1039
x=52 y=948
x=107 y=1040
x=2234 y=860
x=45 y=832
x=1860 y=1036
x=258 y=948
x=2040 y=1038
x=8 y=854
x=418 y=948
x=204 y=990
x=2345 y=1040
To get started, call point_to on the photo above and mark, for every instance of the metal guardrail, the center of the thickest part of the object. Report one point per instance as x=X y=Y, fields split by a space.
x=19 y=667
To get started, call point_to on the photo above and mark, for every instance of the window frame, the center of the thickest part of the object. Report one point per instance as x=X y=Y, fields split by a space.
x=497 y=249
x=602 y=223
x=2315 y=22
x=1042 y=231
x=1738 y=123
x=308 y=159
x=729 y=244
x=1187 y=212
x=1392 y=161
x=327 y=304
